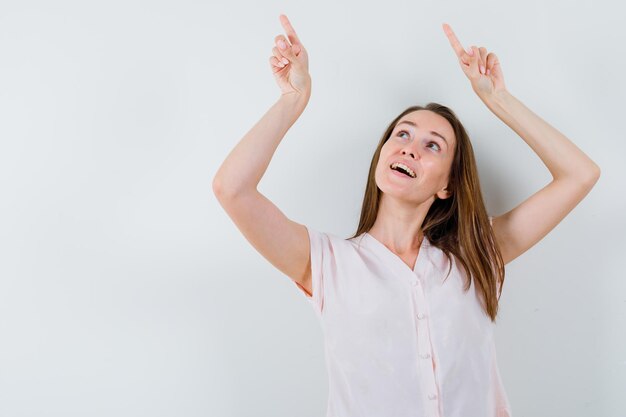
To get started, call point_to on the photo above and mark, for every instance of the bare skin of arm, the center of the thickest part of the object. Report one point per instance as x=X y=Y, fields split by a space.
x=283 y=242
x=574 y=173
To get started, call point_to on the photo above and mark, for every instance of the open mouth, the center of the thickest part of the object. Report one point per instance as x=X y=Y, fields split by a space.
x=401 y=170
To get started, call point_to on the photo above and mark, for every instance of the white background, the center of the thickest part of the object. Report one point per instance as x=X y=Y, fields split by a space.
x=126 y=290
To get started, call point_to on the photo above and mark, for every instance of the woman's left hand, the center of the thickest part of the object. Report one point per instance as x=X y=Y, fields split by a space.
x=482 y=68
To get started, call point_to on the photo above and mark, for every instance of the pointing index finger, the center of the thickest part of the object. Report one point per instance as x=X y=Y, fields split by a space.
x=453 y=40
x=291 y=33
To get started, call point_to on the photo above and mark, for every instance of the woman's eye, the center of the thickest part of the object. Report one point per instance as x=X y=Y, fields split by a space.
x=401 y=132
x=438 y=147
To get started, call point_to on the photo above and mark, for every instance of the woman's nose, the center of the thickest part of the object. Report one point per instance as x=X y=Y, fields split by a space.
x=410 y=153
x=412 y=149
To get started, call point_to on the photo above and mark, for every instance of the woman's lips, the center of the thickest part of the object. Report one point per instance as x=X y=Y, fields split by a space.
x=401 y=174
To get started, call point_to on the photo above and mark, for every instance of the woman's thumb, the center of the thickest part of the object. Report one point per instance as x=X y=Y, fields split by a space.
x=286 y=49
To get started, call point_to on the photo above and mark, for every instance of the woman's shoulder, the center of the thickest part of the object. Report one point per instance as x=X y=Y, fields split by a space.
x=333 y=241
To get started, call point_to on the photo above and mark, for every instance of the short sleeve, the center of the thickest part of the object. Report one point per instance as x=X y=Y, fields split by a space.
x=320 y=250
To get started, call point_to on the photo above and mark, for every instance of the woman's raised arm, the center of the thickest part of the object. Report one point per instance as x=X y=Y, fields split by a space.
x=283 y=242
x=245 y=165
x=574 y=173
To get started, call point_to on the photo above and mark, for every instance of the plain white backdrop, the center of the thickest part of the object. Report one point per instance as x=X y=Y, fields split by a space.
x=126 y=290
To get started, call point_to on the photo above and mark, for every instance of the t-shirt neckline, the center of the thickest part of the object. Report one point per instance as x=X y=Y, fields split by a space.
x=381 y=248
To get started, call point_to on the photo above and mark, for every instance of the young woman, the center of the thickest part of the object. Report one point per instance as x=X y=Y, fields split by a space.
x=409 y=302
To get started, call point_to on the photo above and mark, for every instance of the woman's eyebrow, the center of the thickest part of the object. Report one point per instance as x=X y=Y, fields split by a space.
x=432 y=131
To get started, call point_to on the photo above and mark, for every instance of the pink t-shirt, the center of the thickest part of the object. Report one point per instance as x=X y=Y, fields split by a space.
x=401 y=342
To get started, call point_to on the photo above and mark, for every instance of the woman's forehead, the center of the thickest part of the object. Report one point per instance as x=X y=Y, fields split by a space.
x=428 y=119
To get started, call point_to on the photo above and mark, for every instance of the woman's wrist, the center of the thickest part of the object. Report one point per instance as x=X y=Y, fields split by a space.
x=499 y=100
x=295 y=100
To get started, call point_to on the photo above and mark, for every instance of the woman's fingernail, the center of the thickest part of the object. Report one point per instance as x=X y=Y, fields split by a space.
x=482 y=69
x=282 y=45
x=285 y=60
x=470 y=51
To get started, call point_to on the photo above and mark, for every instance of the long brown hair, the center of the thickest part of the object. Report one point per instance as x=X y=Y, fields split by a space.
x=457 y=225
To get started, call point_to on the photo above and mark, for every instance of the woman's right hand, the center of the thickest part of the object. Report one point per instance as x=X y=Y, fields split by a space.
x=292 y=77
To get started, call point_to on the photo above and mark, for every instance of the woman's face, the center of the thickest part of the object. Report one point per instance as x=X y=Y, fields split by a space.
x=425 y=142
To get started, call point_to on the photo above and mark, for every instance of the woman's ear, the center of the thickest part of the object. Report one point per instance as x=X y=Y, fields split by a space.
x=443 y=194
